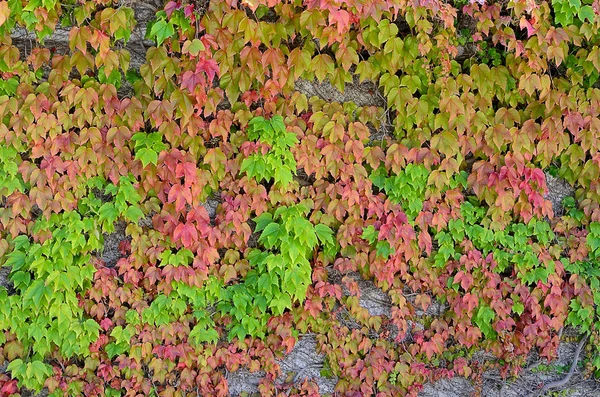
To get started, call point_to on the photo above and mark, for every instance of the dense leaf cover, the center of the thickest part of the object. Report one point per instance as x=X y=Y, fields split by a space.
x=448 y=208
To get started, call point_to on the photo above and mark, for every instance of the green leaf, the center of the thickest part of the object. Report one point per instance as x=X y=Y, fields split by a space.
x=484 y=317
x=200 y=334
x=35 y=292
x=586 y=12
x=108 y=212
x=384 y=249
x=274 y=263
x=294 y=251
x=134 y=214
x=569 y=202
x=283 y=176
x=17 y=368
x=39 y=371
x=114 y=349
x=324 y=233
x=518 y=308
x=269 y=234
x=16 y=259
x=370 y=234
x=262 y=221
x=91 y=327
x=280 y=303
x=237 y=331
x=277 y=123
x=193 y=47
x=147 y=156
x=593 y=237
x=162 y=30
x=323 y=66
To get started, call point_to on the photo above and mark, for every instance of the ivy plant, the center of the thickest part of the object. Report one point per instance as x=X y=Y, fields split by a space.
x=278 y=164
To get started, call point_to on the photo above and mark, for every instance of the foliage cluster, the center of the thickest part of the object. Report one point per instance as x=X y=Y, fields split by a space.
x=448 y=209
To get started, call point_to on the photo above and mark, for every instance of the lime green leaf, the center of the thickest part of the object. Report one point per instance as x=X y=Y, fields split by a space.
x=162 y=30
x=193 y=47
x=147 y=156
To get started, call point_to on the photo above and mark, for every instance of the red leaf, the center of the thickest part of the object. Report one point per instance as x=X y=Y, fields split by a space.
x=341 y=18
x=106 y=324
x=313 y=306
x=425 y=243
x=187 y=170
x=289 y=343
x=180 y=195
x=465 y=280
x=525 y=24
x=187 y=233
x=209 y=67
x=471 y=301
x=190 y=80
x=199 y=215
x=554 y=301
x=170 y=7
x=433 y=346
x=9 y=388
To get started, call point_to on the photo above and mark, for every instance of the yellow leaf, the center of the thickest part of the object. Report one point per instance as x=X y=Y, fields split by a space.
x=323 y=66
x=446 y=143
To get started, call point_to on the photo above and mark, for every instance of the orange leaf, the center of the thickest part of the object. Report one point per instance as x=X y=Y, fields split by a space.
x=423 y=301
x=4 y=12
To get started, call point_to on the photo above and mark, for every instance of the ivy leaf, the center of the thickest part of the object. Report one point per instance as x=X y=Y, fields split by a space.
x=108 y=212
x=283 y=176
x=324 y=233
x=237 y=331
x=162 y=30
x=370 y=234
x=384 y=249
x=446 y=143
x=262 y=221
x=193 y=47
x=4 y=12
x=269 y=234
x=200 y=334
x=593 y=237
x=323 y=66
x=294 y=251
x=16 y=260
x=277 y=123
x=280 y=303
x=147 y=156
x=187 y=233
x=586 y=12
x=114 y=349
x=39 y=371
x=484 y=317
x=518 y=308
x=134 y=214
x=17 y=368
x=35 y=292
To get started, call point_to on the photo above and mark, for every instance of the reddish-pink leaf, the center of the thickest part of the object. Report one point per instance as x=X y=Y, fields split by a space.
x=180 y=195
x=341 y=18
x=186 y=233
